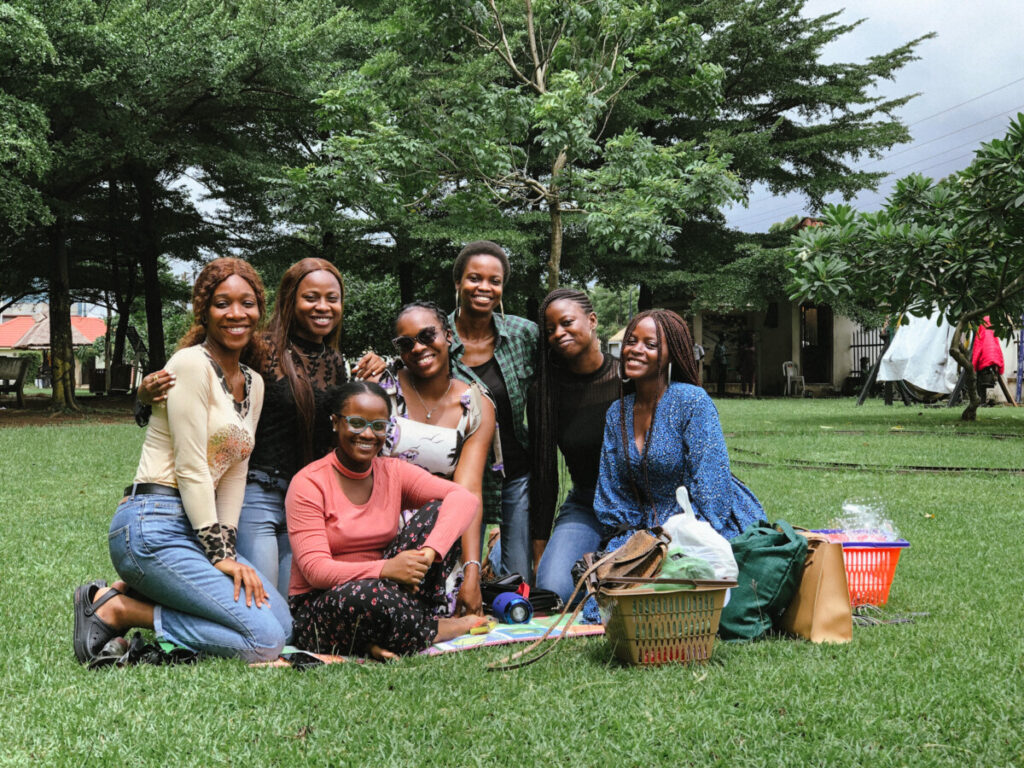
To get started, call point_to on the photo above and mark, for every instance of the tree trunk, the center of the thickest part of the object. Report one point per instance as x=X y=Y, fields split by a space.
x=555 y=213
x=107 y=348
x=956 y=349
x=121 y=333
x=555 y=250
x=62 y=354
x=144 y=183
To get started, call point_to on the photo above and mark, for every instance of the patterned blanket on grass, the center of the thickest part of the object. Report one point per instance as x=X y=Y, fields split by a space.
x=502 y=634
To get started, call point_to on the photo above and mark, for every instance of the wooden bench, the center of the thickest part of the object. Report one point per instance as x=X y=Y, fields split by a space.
x=12 y=377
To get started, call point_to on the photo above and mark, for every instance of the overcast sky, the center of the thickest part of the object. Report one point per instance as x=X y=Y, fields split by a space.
x=960 y=74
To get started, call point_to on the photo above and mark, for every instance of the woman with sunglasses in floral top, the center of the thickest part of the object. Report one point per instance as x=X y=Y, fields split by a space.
x=440 y=424
x=361 y=583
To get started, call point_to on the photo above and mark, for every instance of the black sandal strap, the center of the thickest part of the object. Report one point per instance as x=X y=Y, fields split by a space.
x=95 y=606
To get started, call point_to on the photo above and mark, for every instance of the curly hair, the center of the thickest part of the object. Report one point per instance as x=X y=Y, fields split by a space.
x=213 y=274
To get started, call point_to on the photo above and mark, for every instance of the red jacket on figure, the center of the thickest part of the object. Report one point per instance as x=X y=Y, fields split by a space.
x=987 y=350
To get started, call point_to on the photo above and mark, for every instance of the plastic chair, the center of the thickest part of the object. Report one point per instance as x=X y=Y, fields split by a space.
x=793 y=378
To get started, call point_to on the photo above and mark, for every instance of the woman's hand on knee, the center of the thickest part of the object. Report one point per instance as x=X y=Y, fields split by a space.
x=245 y=577
x=408 y=568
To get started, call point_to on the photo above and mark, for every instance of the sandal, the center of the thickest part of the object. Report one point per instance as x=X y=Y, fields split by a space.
x=91 y=632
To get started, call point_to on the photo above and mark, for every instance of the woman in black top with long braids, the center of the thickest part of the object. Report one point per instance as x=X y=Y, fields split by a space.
x=576 y=384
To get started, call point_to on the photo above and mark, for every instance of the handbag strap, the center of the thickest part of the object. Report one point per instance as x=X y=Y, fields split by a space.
x=517 y=660
x=667 y=580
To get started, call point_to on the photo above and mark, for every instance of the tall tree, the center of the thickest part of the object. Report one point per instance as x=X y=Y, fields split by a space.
x=466 y=110
x=789 y=120
x=955 y=246
x=25 y=48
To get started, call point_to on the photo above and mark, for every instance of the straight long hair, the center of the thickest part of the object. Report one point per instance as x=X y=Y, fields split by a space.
x=281 y=323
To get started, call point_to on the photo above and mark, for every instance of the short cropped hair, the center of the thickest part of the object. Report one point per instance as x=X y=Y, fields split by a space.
x=480 y=248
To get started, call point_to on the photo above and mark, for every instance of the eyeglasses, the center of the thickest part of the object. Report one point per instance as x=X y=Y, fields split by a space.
x=404 y=344
x=357 y=424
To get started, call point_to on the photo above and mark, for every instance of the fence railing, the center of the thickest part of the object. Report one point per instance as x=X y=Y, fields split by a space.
x=865 y=348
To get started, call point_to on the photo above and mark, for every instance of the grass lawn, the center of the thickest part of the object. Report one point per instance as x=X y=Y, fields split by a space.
x=946 y=690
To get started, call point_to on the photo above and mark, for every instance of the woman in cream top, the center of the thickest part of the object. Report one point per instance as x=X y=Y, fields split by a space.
x=172 y=539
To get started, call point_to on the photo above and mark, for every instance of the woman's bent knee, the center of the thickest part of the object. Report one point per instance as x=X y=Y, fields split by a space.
x=266 y=643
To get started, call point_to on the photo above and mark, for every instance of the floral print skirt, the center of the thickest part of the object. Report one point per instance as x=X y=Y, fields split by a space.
x=350 y=617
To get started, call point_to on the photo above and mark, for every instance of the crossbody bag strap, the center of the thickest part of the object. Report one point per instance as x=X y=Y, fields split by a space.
x=510 y=662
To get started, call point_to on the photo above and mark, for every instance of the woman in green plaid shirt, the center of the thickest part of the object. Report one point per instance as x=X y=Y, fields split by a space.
x=499 y=352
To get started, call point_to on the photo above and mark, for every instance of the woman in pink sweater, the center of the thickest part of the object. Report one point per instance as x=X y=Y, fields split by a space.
x=359 y=584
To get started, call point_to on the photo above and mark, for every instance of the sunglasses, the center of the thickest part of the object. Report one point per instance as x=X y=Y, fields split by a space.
x=357 y=424
x=404 y=344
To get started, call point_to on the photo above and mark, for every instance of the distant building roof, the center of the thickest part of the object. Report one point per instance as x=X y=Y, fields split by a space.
x=12 y=331
x=29 y=333
x=90 y=327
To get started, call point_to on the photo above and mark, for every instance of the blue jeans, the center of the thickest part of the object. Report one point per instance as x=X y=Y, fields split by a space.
x=263 y=535
x=577 y=531
x=515 y=526
x=155 y=550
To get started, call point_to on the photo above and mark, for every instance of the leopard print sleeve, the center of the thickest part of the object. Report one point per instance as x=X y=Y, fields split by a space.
x=230 y=541
x=214 y=542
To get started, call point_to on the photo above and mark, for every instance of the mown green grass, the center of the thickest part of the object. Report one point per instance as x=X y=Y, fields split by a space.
x=945 y=690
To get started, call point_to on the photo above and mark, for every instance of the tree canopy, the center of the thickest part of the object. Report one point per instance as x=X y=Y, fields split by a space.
x=597 y=140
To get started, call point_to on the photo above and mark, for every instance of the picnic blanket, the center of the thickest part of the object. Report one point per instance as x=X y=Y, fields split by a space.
x=503 y=634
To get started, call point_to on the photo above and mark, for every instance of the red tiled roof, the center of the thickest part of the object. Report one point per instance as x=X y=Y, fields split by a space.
x=12 y=331
x=90 y=327
x=27 y=332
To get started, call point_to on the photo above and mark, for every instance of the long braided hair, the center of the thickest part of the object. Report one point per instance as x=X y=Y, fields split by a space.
x=543 y=417
x=682 y=366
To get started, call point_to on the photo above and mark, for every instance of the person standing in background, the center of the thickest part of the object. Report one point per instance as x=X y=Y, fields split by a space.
x=721 y=357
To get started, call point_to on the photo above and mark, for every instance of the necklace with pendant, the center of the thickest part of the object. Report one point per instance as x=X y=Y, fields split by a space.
x=430 y=411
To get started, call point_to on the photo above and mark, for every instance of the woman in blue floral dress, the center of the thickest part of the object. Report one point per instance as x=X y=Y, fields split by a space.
x=665 y=435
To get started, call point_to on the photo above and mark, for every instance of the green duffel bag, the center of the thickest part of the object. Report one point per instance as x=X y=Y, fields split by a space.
x=771 y=562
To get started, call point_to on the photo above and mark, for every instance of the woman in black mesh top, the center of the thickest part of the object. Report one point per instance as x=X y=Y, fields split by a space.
x=301 y=362
x=576 y=384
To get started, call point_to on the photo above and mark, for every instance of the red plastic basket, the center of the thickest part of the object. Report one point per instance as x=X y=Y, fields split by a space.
x=870 y=566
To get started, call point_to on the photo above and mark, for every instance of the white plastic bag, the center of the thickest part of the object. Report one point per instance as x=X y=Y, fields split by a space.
x=698 y=539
